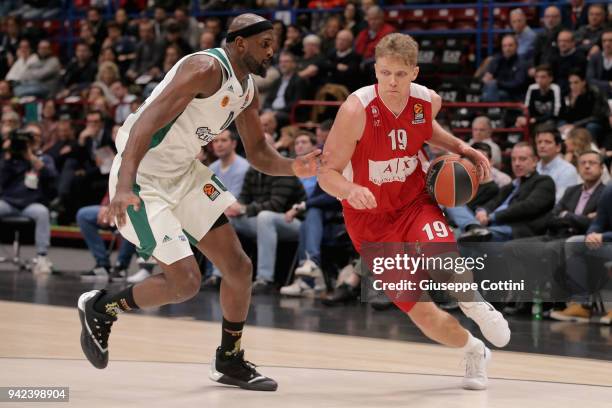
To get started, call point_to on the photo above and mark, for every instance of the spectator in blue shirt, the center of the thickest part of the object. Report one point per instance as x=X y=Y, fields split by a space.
x=524 y=34
x=551 y=163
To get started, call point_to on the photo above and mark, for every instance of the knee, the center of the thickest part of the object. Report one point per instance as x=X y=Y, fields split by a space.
x=40 y=212
x=240 y=269
x=186 y=287
x=266 y=217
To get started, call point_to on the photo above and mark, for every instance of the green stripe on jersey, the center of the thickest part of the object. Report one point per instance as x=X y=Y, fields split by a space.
x=221 y=57
x=141 y=225
x=159 y=136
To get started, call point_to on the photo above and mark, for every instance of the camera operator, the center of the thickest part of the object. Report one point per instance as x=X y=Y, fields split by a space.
x=26 y=183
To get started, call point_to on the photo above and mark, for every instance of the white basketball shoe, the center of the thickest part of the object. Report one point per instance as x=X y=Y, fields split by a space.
x=491 y=322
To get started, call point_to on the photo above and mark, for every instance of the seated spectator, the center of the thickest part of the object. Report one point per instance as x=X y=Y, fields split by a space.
x=48 y=123
x=122 y=45
x=96 y=23
x=353 y=19
x=269 y=124
x=26 y=185
x=87 y=36
x=481 y=132
x=323 y=131
x=25 y=58
x=10 y=121
x=41 y=77
x=288 y=89
x=328 y=34
x=207 y=40
x=506 y=76
x=520 y=209
x=293 y=41
x=87 y=168
x=588 y=36
x=577 y=141
x=124 y=100
x=567 y=59
x=551 y=163
x=172 y=55
x=108 y=73
x=599 y=69
x=229 y=166
x=149 y=52
x=463 y=215
x=190 y=30
x=595 y=244
x=173 y=37
x=320 y=224
x=259 y=214
x=546 y=40
x=524 y=34
x=344 y=62
x=312 y=66
x=90 y=220
x=64 y=144
x=80 y=72
x=585 y=107
x=368 y=38
x=572 y=215
x=213 y=25
x=264 y=84
x=6 y=91
x=286 y=141
x=543 y=99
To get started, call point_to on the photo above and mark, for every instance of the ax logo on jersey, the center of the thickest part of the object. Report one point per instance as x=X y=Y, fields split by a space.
x=397 y=169
x=204 y=134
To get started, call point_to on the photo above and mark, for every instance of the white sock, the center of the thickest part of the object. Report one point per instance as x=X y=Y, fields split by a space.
x=472 y=344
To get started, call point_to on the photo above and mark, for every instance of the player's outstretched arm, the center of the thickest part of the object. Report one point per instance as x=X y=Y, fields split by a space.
x=445 y=140
x=264 y=157
x=197 y=75
x=339 y=148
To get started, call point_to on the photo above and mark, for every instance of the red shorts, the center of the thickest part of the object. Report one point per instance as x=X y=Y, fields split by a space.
x=420 y=222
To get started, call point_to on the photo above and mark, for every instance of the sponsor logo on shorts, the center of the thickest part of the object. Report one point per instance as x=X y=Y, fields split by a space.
x=419 y=115
x=211 y=191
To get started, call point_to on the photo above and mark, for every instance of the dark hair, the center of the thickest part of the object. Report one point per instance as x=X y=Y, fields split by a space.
x=303 y=132
x=545 y=68
x=595 y=152
x=567 y=30
x=483 y=147
x=96 y=112
x=577 y=72
x=526 y=144
x=549 y=128
x=326 y=125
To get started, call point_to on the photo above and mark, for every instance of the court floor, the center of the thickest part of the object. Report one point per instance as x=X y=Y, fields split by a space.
x=163 y=362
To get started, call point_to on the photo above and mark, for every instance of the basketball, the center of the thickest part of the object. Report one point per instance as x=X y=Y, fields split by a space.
x=452 y=180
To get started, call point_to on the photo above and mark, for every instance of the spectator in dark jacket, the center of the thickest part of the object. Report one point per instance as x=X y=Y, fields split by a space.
x=26 y=182
x=543 y=99
x=320 y=224
x=344 y=62
x=259 y=214
x=149 y=52
x=80 y=72
x=506 y=76
x=546 y=40
x=585 y=107
x=567 y=59
x=595 y=246
x=521 y=209
x=286 y=90
x=589 y=35
x=599 y=69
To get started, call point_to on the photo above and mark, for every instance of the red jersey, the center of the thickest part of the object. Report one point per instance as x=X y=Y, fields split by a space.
x=389 y=159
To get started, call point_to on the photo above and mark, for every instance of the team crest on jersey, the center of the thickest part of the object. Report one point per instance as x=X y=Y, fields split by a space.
x=374 y=111
x=419 y=115
x=224 y=101
x=211 y=191
x=204 y=134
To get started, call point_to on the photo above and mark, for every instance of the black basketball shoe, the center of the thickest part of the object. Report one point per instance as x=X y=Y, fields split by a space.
x=95 y=329
x=235 y=370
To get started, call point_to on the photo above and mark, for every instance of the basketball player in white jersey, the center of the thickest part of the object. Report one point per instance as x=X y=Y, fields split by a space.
x=162 y=198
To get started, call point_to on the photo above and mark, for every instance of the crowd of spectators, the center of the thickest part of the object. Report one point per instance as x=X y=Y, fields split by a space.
x=64 y=97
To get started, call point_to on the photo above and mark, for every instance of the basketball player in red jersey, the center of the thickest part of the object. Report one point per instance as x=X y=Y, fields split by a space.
x=373 y=162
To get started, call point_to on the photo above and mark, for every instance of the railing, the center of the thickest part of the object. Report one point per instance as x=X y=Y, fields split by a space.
x=454 y=105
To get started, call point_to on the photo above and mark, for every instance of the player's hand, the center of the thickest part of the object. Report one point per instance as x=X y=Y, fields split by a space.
x=594 y=240
x=480 y=161
x=361 y=198
x=306 y=165
x=119 y=205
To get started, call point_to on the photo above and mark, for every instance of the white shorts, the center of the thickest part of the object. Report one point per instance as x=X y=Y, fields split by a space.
x=174 y=211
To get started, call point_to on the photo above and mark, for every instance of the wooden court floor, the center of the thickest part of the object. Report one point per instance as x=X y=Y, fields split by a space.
x=163 y=362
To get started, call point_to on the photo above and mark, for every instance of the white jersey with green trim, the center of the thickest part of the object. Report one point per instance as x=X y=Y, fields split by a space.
x=174 y=146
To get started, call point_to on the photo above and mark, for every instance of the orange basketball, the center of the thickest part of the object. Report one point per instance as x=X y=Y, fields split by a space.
x=452 y=180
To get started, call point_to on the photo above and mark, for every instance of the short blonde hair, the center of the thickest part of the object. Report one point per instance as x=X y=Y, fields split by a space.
x=400 y=46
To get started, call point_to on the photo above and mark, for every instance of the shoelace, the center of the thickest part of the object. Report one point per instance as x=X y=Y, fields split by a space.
x=247 y=365
x=103 y=331
x=471 y=364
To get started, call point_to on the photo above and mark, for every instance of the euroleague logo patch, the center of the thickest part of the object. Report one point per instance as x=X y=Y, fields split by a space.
x=211 y=191
x=419 y=115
